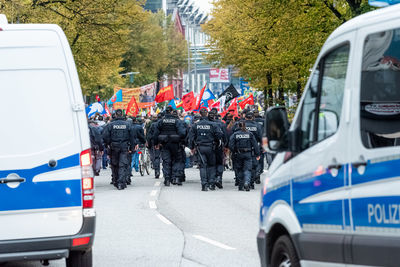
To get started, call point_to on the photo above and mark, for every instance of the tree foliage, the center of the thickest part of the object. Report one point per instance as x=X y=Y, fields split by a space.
x=104 y=33
x=156 y=49
x=272 y=42
x=97 y=31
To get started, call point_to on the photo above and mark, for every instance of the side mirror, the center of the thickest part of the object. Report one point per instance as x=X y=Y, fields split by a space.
x=277 y=127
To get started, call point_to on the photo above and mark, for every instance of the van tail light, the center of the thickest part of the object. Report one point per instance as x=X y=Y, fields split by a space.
x=80 y=241
x=87 y=182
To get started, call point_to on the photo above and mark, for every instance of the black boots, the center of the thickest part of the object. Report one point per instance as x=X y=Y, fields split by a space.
x=219 y=185
x=167 y=183
x=246 y=187
x=258 y=181
x=204 y=187
x=212 y=187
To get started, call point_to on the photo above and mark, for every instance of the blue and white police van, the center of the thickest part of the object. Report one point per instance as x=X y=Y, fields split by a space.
x=46 y=179
x=331 y=197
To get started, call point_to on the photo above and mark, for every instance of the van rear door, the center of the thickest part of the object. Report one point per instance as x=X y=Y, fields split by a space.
x=40 y=145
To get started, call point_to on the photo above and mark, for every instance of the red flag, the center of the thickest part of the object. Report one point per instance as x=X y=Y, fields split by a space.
x=249 y=100
x=165 y=93
x=108 y=113
x=188 y=101
x=216 y=105
x=233 y=108
x=199 y=97
x=132 y=109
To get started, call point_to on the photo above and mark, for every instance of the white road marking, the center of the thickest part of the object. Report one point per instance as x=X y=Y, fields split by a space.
x=157 y=184
x=153 y=193
x=163 y=219
x=152 y=205
x=212 y=242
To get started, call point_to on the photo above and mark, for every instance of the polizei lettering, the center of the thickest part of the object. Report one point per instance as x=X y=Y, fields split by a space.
x=242 y=136
x=384 y=213
x=251 y=129
x=119 y=127
x=168 y=121
x=203 y=127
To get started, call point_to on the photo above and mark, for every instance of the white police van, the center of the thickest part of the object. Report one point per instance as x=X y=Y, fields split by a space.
x=46 y=180
x=332 y=195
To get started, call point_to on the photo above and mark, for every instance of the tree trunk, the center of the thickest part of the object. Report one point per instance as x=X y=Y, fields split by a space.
x=265 y=90
x=270 y=95
x=298 y=89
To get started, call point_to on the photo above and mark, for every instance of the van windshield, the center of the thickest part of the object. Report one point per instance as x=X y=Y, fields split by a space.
x=36 y=111
x=380 y=90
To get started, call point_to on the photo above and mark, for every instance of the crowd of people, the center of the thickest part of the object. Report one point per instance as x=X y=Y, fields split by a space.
x=180 y=140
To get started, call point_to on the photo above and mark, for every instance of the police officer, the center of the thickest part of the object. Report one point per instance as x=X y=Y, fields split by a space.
x=120 y=138
x=243 y=143
x=182 y=143
x=204 y=137
x=155 y=153
x=256 y=130
x=260 y=120
x=168 y=133
x=219 y=149
x=96 y=142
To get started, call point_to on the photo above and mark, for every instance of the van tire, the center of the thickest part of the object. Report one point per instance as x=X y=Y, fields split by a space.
x=284 y=251
x=80 y=259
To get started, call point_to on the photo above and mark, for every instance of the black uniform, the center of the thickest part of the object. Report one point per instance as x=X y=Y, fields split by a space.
x=256 y=130
x=118 y=135
x=204 y=137
x=96 y=142
x=155 y=153
x=169 y=132
x=260 y=169
x=242 y=144
x=219 y=152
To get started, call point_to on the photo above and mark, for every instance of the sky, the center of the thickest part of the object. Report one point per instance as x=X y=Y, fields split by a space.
x=205 y=5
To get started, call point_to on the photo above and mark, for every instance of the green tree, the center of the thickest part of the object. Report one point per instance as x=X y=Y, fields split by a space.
x=97 y=30
x=156 y=49
x=273 y=42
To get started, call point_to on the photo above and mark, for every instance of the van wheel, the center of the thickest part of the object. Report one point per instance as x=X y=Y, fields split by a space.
x=284 y=253
x=80 y=259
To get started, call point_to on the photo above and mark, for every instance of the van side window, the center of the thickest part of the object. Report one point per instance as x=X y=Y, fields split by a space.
x=307 y=118
x=332 y=91
x=380 y=91
x=321 y=109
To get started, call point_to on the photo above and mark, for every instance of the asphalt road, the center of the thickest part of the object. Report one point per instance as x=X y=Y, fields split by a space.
x=148 y=224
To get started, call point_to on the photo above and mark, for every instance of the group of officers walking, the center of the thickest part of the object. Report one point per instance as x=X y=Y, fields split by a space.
x=207 y=136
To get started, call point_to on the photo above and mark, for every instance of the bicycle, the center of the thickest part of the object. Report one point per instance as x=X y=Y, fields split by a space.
x=144 y=161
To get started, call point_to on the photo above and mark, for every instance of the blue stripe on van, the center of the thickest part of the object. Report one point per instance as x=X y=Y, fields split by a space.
x=41 y=195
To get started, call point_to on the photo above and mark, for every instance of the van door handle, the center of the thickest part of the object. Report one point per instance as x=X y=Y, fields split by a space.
x=335 y=166
x=12 y=180
x=359 y=164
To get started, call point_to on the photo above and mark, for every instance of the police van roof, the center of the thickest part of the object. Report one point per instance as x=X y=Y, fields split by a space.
x=367 y=19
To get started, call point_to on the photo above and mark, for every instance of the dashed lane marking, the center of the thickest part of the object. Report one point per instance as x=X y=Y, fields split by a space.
x=152 y=205
x=213 y=242
x=163 y=219
x=153 y=193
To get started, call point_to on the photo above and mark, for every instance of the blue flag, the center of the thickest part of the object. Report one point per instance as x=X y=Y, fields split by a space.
x=117 y=97
x=172 y=104
x=207 y=96
x=95 y=108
